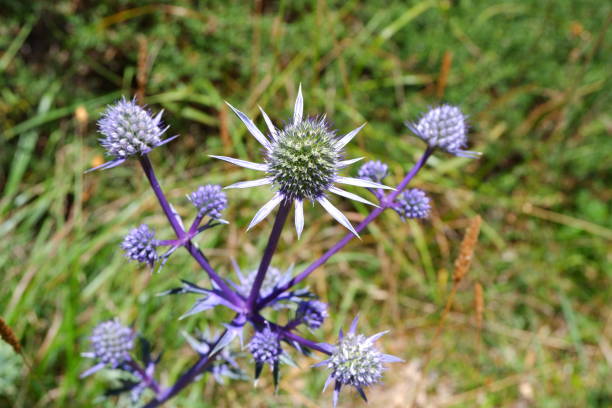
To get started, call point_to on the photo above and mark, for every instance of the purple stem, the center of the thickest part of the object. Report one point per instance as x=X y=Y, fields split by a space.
x=144 y=375
x=285 y=332
x=196 y=223
x=187 y=378
x=277 y=228
x=386 y=202
x=180 y=233
x=304 y=342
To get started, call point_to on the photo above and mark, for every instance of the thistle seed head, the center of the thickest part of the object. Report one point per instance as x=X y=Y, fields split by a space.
x=374 y=171
x=312 y=313
x=356 y=361
x=111 y=343
x=209 y=200
x=303 y=161
x=128 y=129
x=265 y=346
x=140 y=245
x=413 y=203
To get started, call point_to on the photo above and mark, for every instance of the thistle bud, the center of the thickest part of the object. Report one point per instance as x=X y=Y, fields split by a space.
x=413 y=203
x=140 y=245
x=111 y=343
x=265 y=346
x=312 y=313
x=374 y=171
x=444 y=127
x=209 y=200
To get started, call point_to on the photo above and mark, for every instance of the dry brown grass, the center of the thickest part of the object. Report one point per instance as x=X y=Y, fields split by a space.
x=8 y=335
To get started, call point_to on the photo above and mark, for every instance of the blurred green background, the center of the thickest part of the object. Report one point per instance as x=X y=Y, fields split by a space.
x=533 y=75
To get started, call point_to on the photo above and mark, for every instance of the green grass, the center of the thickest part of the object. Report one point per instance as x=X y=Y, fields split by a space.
x=534 y=78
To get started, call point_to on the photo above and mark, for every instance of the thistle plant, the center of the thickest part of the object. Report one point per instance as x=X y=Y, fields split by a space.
x=303 y=161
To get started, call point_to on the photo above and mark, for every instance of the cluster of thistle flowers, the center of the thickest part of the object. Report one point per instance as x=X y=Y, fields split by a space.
x=302 y=162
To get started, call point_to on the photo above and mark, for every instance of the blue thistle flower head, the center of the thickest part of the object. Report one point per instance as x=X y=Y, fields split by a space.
x=444 y=127
x=312 y=313
x=209 y=200
x=302 y=162
x=140 y=245
x=413 y=203
x=265 y=347
x=374 y=171
x=111 y=343
x=355 y=360
x=128 y=130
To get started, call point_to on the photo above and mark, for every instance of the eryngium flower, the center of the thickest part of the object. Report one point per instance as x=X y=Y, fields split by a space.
x=302 y=163
x=373 y=170
x=128 y=129
x=444 y=127
x=265 y=347
x=140 y=245
x=209 y=200
x=413 y=203
x=312 y=313
x=111 y=343
x=355 y=361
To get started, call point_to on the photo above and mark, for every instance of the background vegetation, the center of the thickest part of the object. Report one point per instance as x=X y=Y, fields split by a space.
x=532 y=74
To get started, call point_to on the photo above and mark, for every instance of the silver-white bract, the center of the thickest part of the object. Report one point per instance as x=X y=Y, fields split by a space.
x=296 y=134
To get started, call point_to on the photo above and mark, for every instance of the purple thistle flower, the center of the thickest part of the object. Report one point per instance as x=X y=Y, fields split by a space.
x=302 y=162
x=444 y=127
x=413 y=203
x=209 y=200
x=265 y=347
x=128 y=129
x=374 y=171
x=140 y=245
x=312 y=313
x=111 y=343
x=355 y=361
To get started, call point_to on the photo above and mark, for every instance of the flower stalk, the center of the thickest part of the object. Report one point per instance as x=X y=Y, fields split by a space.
x=180 y=232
